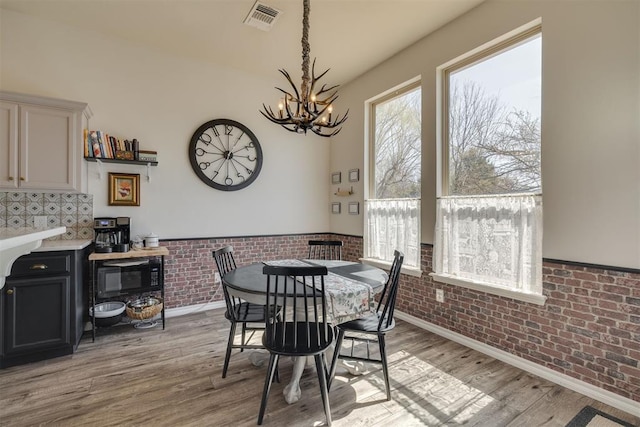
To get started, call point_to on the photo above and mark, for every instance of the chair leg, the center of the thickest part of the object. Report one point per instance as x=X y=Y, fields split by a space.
x=232 y=334
x=324 y=391
x=385 y=368
x=242 y=342
x=334 y=359
x=273 y=363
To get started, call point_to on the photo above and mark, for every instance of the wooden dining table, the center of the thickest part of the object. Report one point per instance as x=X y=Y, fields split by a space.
x=350 y=287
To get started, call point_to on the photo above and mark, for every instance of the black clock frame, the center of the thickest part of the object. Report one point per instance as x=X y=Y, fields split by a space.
x=227 y=154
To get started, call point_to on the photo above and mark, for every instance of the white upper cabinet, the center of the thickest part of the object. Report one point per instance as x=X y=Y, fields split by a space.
x=8 y=144
x=41 y=143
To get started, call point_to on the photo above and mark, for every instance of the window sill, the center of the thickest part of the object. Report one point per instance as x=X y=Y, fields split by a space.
x=411 y=271
x=490 y=289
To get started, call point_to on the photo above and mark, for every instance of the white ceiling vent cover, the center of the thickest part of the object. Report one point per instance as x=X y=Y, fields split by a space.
x=262 y=16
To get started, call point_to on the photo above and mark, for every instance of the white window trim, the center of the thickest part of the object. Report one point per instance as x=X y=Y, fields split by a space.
x=491 y=289
x=441 y=107
x=538 y=299
x=409 y=271
x=407 y=86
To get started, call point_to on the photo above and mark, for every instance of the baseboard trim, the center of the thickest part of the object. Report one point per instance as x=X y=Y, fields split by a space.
x=190 y=309
x=624 y=404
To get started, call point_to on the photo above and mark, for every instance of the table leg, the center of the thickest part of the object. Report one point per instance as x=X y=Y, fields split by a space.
x=292 y=392
x=259 y=357
x=352 y=366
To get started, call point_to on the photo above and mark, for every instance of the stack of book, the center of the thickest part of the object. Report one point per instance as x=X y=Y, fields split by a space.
x=99 y=145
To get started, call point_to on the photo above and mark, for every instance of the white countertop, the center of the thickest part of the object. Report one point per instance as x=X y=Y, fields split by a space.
x=15 y=242
x=12 y=237
x=63 y=245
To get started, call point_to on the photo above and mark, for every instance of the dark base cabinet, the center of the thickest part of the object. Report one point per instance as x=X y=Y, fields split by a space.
x=42 y=306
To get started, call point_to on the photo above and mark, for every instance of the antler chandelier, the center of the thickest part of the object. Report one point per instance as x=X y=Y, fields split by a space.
x=306 y=109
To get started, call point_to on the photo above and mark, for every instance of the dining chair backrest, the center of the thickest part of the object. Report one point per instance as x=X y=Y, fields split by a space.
x=389 y=293
x=298 y=295
x=226 y=263
x=224 y=260
x=325 y=249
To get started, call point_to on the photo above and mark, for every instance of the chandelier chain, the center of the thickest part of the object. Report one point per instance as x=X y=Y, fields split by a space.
x=306 y=48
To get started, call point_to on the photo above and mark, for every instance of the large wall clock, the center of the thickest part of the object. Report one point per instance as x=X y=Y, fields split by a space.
x=225 y=154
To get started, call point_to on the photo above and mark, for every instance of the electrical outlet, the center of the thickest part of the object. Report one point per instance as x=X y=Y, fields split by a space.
x=40 y=221
x=216 y=277
x=439 y=295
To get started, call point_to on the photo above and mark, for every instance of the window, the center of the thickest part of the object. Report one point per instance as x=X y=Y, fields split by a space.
x=489 y=210
x=392 y=205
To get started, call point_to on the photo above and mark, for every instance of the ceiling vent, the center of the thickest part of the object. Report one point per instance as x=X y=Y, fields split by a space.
x=262 y=16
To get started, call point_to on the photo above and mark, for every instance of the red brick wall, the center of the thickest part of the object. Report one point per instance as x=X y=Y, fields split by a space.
x=189 y=268
x=588 y=329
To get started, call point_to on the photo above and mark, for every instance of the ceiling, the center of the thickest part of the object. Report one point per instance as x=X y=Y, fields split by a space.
x=348 y=36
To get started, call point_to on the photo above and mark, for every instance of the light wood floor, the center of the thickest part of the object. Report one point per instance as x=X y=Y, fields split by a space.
x=173 y=378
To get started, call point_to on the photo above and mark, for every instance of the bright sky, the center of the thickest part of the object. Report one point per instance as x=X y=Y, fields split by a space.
x=514 y=76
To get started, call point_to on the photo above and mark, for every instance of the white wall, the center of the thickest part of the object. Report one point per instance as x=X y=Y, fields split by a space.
x=161 y=100
x=590 y=120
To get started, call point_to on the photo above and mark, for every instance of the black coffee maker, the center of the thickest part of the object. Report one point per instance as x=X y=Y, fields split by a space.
x=112 y=234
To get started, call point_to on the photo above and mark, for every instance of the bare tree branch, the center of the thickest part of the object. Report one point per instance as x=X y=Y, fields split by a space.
x=491 y=151
x=398 y=147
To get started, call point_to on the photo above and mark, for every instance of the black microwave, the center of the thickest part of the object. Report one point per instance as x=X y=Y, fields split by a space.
x=125 y=277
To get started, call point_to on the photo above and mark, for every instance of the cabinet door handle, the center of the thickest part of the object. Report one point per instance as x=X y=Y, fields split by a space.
x=9 y=291
x=10 y=178
x=22 y=178
x=38 y=267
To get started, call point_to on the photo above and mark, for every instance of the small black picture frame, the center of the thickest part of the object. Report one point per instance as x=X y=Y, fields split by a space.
x=354 y=208
x=354 y=175
x=335 y=207
x=336 y=178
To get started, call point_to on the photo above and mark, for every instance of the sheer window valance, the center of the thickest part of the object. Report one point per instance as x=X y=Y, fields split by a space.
x=494 y=240
x=393 y=224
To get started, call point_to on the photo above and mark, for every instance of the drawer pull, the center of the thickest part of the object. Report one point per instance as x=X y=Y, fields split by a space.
x=9 y=291
x=22 y=178
x=38 y=267
x=10 y=178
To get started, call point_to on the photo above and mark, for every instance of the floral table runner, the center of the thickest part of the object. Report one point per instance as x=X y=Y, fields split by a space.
x=347 y=299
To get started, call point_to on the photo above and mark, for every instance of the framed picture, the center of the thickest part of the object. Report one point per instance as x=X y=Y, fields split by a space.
x=354 y=208
x=124 y=189
x=354 y=175
x=335 y=207
x=336 y=177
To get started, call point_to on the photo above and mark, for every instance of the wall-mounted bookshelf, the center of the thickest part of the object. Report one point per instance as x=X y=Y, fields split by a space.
x=128 y=162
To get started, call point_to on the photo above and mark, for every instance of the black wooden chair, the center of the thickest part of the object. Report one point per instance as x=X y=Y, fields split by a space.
x=374 y=326
x=301 y=329
x=325 y=249
x=238 y=311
